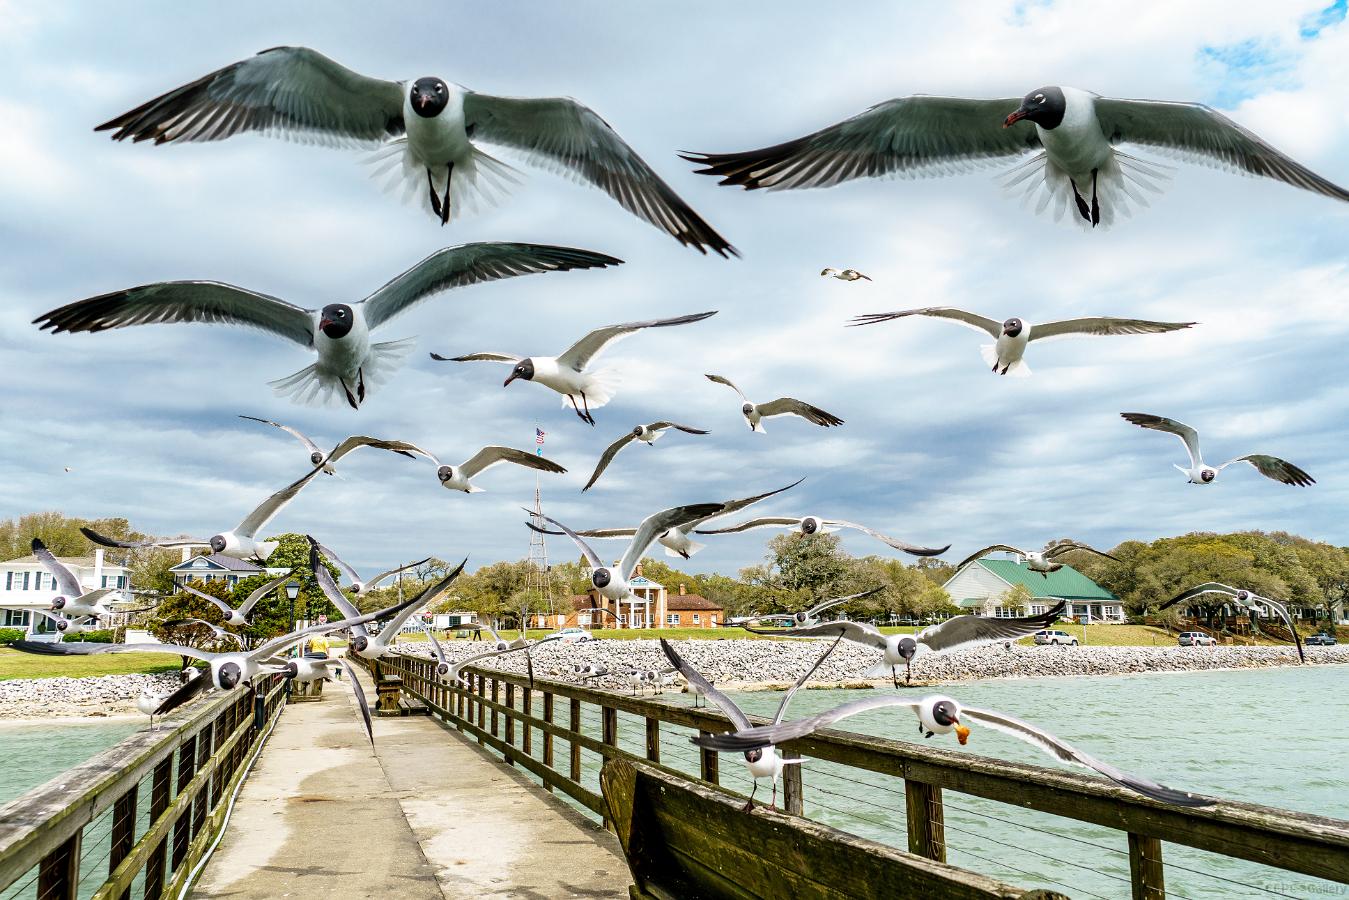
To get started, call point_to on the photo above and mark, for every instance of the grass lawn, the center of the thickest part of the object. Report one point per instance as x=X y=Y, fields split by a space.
x=14 y=664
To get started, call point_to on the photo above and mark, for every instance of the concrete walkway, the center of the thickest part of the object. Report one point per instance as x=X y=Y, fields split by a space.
x=426 y=814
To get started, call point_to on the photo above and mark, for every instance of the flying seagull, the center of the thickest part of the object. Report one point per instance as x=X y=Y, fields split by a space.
x=612 y=582
x=425 y=131
x=238 y=616
x=362 y=643
x=1042 y=561
x=755 y=413
x=809 y=616
x=762 y=761
x=1070 y=156
x=460 y=477
x=647 y=434
x=676 y=539
x=241 y=542
x=943 y=715
x=227 y=670
x=844 y=275
x=71 y=598
x=952 y=634
x=63 y=624
x=818 y=525
x=499 y=647
x=316 y=455
x=217 y=633
x=568 y=373
x=348 y=363
x=359 y=587
x=1012 y=335
x=1248 y=600
x=1200 y=472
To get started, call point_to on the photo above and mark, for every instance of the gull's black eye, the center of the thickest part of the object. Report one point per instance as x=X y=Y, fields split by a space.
x=440 y=89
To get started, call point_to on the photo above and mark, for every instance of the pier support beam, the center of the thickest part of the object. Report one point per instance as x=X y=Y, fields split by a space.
x=927 y=820
x=1145 y=868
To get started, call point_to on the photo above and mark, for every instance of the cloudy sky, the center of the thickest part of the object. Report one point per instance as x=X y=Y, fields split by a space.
x=935 y=449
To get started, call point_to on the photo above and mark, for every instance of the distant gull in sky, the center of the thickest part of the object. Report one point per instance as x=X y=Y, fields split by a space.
x=818 y=525
x=755 y=413
x=647 y=434
x=844 y=275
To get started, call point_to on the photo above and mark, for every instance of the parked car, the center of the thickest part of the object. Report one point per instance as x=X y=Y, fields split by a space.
x=1196 y=639
x=1050 y=636
x=1321 y=640
x=574 y=636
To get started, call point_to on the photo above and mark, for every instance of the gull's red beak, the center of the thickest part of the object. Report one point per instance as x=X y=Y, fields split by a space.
x=324 y=323
x=1015 y=117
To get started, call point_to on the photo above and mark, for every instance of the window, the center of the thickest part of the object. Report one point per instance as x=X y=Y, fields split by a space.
x=1038 y=609
x=672 y=619
x=696 y=619
x=25 y=580
x=16 y=619
x=9 y=580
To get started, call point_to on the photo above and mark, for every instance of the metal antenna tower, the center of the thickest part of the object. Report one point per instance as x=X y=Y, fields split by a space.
x=538 y=580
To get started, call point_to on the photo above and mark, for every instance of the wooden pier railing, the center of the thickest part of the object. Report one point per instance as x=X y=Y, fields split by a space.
x=135 y=820
x=498 y=710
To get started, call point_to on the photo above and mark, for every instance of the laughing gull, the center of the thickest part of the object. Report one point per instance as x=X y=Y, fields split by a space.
x=63 y=624
x=227 y=670
x=425 y=132
x=1012 y=335
x=647 y=434
x=818 y=525
x=612 y=582
x=952 y=634
x=567 y=373
x=1247 y=600
x=755 y=413
x=808 y=616
x=359 y=587
x=844 y=275
x=149 y=701
x=943 y=715
x=238 y=616
x=316 y=455
x=71 y=599
x=676 y=539
x=1042 y=561
x=499 y=647
x=217 y=633
x=763 y=761
x=1074 y=141
x=460 y=477
x=1200 y=472
x=364 y=644
x=348 y=363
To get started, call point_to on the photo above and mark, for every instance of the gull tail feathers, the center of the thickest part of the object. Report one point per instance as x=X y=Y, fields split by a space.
x=1018 y=369
x=693 y=547
x=316 y=386
x=603 y=385
x=481 y=182
x=1121 y=180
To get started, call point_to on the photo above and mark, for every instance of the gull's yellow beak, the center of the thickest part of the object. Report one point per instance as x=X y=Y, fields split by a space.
x=962 y=734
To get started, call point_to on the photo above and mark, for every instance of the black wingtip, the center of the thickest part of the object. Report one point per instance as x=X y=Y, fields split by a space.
x=37 y=545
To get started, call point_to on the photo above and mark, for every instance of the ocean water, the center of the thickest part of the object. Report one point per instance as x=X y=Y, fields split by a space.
x=34 y=753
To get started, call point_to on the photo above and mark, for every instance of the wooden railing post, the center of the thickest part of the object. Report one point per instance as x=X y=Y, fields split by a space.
x=123 y=831
x=1145 y=868
x=482 y=710
x=653 y=739
x=609 y=726
x=159 y=801
x=709 y=762
x=793 y=799
x=548 y=735
x=526 y=739
x=495 y=699
x=575 y=748
x=927 y=821
x=58 y=875
x=182 y=829
x=510 y=720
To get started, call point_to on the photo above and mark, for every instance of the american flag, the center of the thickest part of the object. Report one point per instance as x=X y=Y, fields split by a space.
x=538 y=439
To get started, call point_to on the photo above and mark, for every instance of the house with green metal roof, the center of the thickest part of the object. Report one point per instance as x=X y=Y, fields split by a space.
x=982 y=588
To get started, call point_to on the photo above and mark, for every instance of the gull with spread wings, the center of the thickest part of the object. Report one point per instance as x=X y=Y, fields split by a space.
x=238 y=616
x=819 y=525
x=755 y=413
x=1042 y=561
x=1199 y=472
x=348 y=365
x=1250 y=601
x=647 y=434
x=359 y=586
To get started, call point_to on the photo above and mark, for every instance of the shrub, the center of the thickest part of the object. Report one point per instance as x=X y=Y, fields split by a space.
x=93 y=637
x=10 y=635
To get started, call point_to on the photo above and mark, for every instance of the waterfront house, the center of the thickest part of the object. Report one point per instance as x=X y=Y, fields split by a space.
x=981 y=588
x=218 y=567
x=26 y=586
x=649 y=606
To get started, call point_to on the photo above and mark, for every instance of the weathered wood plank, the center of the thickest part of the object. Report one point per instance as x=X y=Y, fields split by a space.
x=58 y=875
x=574 y=749
x=927 y=820
x=653 y=739
x=793 y=787
x=548 y=735
x=1145 y=868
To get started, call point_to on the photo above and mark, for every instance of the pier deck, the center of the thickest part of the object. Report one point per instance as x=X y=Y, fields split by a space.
x=424 y=814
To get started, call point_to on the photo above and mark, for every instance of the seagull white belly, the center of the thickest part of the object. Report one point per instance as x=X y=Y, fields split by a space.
x=341 y=358
x=436 y=142
x=1077 y=145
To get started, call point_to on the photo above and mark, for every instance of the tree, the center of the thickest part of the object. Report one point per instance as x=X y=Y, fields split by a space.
x=1016 y=597
x=812 y=563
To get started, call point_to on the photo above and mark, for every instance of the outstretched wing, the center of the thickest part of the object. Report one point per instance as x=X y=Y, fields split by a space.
x=259 y=517
x=1102 y=326
x=761 y=522
x=262 y=591
x=659 y=426
x=722 y=379
x=1199 y=133
x=215 y=601
x=473 y=264
x=609 y=453
x=330 y=589
x=789 y=406
x=969 y=319
x=370 y=585
x=1208 y=587
x=564 y=135
x=361 y=701
x=802 y=679
x=431 y=592
x=357 y=441
x=857 y=632
x=435 y=644
x=66 y=582
x=173 y=543
x=991 y=548
x=912 y=549
x=906 y=136
x=656 y=524
x=487 y=457
x=1062 y=750
x=85 y=648
x=731 y=506
x=1069 y=546
x=478 y=357
x=185 y=692
x=704 y=687
x=285 y=91
x=1281 y=470
x=293 y=432
x=208 y=302
x=1188 y=436
x=829 y=604
x=338 y=561
x=579 y=354
x=770 y=735
x=968 y=631
x=591 y=556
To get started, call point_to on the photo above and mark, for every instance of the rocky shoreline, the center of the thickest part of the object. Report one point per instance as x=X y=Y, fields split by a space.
x=732 y=664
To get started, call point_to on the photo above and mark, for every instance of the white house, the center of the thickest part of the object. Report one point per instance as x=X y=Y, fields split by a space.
x=26 y=586
x=981 y=587
x=218 y=567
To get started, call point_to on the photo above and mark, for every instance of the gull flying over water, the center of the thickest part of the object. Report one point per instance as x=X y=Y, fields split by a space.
x=755 y=413
x=1200 y=472
x=568 y=373
x=818 y=525
x=238 y=616
x=1247 y=600
x=425 y=132
x=1013 y=335
x=647 y=434
x=348 y=363
x=952 y=634
x=763 y=761
x=942 y=715
x=1068 y=153
x=1042 y=561
x=676 y=539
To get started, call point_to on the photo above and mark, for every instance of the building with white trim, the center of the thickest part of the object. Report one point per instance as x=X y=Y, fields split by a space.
x=25 y=586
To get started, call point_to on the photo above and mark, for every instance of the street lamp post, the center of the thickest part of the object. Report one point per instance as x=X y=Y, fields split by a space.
x=292 y=591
